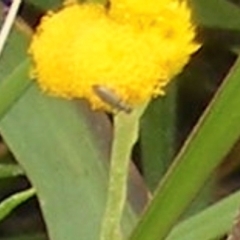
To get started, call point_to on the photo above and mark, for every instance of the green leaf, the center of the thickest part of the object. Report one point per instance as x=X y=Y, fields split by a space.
x=212 y=223
x=10 y=170
x=46 y=4
x=53 y=4
x=58 y=144
x=9 y=204
x=210 y=141
x=216 y=14
x=15 y=66
x=13 y=87
x=157 y=137
x=14 y=52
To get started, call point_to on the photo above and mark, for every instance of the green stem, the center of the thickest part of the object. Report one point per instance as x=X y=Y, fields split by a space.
x=125 y=135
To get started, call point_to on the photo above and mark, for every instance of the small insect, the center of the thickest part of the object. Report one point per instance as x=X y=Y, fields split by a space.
x=109 y=97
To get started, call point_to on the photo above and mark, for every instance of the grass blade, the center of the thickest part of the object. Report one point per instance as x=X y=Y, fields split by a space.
x=9 y=204
x=195 y=163
x=10 y=170
x=211 y=223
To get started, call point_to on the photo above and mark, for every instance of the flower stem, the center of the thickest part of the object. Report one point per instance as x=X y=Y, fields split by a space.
x=125 y=135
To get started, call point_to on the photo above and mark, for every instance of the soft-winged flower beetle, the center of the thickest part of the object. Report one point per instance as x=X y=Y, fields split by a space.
x=108 y=96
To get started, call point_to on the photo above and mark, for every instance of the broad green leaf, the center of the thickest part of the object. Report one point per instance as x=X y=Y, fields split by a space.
x=56 y=142
x=13 y=63
x=14 y=52
x=210 y=141
x=12 y=88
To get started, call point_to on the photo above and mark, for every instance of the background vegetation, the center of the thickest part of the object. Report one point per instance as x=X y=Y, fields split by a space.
x=62 y=148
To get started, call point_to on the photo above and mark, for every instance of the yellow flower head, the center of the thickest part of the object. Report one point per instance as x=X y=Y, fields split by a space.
x=85 y=45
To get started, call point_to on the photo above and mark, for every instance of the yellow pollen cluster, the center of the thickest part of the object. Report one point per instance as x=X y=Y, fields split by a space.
x=133 y=49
